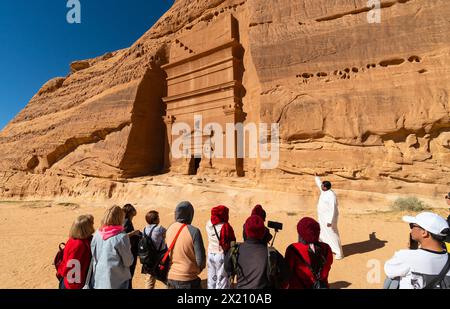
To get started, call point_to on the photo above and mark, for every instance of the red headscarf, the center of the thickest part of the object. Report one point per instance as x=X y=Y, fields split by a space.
x=309 y=230
x=254 y=228
x=259 y=211
x=220 y=214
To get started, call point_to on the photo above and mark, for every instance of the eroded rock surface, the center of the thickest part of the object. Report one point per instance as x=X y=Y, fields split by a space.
x=366 y=104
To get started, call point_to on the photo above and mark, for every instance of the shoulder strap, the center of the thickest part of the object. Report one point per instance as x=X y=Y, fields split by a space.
x=172 y=244
x=215 y=231
x=150 y=240
x=441 y=275
x=151 y=231
x=161 y=242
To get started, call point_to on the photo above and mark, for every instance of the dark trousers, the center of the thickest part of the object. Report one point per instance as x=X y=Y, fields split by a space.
x=184 y=285
x=134 y=250
x=132 y=271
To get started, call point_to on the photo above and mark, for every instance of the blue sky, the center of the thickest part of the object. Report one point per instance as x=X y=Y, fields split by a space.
x=37 y=43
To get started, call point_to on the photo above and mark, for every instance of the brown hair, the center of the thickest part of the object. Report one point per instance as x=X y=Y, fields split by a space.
x=82 y=227
x=152 y=217
x=129 y=211
x=113 y=216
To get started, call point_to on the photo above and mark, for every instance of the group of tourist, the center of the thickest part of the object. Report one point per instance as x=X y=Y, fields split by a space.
x=107 y=258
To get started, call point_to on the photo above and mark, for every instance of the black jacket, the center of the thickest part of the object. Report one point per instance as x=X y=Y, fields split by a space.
x=134 y=241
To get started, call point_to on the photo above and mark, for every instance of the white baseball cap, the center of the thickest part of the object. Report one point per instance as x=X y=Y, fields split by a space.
x=430 y=222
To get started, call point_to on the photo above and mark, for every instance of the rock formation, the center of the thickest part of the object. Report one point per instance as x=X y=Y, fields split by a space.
x=365 y=103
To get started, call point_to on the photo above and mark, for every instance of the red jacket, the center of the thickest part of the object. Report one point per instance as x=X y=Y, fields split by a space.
x=302 y=277
x=79 y=250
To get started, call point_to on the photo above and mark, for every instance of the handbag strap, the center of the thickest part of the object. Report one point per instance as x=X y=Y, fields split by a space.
x=441 y=275
x=172 y=244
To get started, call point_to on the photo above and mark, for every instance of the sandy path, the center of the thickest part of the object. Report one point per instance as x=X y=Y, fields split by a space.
x=31 y=231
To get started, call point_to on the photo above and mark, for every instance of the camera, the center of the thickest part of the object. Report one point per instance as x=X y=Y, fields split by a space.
x=277 y=226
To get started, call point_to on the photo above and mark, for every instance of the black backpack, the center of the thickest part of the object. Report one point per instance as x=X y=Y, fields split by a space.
x=150 y=256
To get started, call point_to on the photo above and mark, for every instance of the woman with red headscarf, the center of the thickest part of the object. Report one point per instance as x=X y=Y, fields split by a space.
x=259 y=211
x=220 y=235
x=309 y=259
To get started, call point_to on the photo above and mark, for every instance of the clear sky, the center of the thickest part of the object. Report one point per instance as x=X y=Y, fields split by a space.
x=37 y=43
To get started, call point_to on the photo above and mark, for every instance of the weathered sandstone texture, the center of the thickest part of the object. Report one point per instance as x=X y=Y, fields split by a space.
x=365 y=104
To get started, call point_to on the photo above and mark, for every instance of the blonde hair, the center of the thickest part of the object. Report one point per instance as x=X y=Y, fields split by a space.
x=113 y=216
x=82 y=227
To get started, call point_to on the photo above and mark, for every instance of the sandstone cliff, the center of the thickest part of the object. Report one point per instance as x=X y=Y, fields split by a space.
x=366 y=104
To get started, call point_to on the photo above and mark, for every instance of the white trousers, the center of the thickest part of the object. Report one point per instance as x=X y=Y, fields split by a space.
x=217 y=277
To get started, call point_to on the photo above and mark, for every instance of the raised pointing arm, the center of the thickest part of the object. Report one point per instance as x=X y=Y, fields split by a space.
x=318 y=183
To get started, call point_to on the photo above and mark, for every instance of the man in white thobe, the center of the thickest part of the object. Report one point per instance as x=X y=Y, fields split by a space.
x=328 y=213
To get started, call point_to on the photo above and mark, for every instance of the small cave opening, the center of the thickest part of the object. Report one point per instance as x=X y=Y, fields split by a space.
x=194 y=165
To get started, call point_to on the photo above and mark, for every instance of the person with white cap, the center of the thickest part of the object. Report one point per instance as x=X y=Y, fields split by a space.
x=419 y=269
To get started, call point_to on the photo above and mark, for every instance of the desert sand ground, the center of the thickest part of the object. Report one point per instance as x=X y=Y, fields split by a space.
x=30 y=232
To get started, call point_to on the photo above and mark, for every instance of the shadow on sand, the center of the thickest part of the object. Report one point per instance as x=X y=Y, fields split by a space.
x=339 y=285
x=364 y=246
